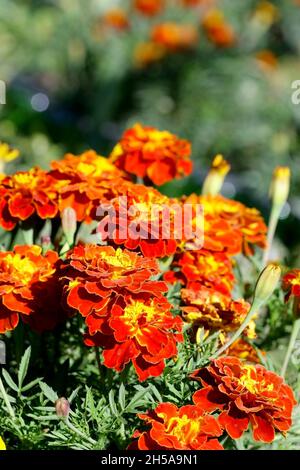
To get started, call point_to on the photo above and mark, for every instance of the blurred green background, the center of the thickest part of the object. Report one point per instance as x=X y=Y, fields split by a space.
x=72 y=83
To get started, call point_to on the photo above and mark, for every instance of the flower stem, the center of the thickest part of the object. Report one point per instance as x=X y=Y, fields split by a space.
x=293 y=337
x=97 y=353
x=6 y=400
x=79 y=433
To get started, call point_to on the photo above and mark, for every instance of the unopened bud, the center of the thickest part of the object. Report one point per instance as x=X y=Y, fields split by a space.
x=69 y=224
x=2 y=445
x=62 y=407
x=215 y=178
x=280 y=185
x=267 y=282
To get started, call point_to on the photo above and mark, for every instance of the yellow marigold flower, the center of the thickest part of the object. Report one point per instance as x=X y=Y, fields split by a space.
x=2 y=445
x=7 y=154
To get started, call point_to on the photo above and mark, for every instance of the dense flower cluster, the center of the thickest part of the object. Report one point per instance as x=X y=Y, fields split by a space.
x=245 y=394
x=29 y=288
x=149 y=153
x=185 y=428
x=124 y=310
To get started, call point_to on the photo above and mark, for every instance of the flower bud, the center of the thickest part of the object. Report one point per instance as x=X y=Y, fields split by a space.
x=62 y=407
x=69 y=224
x=267 y=282
x=280 y=185
x=215 y=178
x=7 y=155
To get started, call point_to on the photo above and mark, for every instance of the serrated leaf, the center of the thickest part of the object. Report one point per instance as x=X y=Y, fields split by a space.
x=156 y=393
x=31 y=384
x=122 y=396
x=24 y=366
x=9 y=381
x=112 y=403
x=73 y=394
x=48 y=392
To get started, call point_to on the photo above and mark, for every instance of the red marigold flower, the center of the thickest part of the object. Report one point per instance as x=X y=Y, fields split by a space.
x=143 y=219
x=208 y=268
x=149 y=7
x=245 y=394
x=83 y=181
x=213 y=310
x=24 y=194
x=217 y=29
x=291 y=284
x=175 y=37
x=149 y=153
x=29 y=288
x=124 y=309
x=185 y=428
x=244 y=351
x=230 y=225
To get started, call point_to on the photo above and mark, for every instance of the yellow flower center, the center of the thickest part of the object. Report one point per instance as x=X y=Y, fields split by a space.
x=95 y=168
x=25 y=179
x=118 y=260
x=135 y=311
x=21 y=269
x=247 y=380
x=185 y=429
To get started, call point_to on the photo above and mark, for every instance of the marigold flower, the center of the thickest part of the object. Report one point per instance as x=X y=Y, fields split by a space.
x=7 y=154
x=29 y=288
x=147 y=53
x=291 y=284
x=142 y=219
x=185 y=428
x=245 y=394
x=266 y=59
x=27 y=193
x=208 y=268
x=217 y=29
x=175 y=37
x=83 y=181
x=149 y=7
x=214 y=311
x=149 y=153
x=124 y=309
x=2 y=444
x=116 y=18
x=267 y=282
x=195 y=3
x=280 y=186
x=244 y=351
x=230 y=225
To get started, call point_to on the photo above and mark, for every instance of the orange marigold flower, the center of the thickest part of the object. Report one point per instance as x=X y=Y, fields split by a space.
x=83 y=181
x=230 y=225
x=245 y=394
x=217 y=29
x=149 y=7
x=27 y=193
x=213 y=310
x=208 y=268
x=29 y=288
x=147 y=53
x=244 y=351
x=195 y=3
x=140 y=219
x=124 y=309
x=116 y=18
x=175 y=37
x=185 y=428
x=149 y=153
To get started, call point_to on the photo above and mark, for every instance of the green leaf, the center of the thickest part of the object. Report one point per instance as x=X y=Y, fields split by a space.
x=31 y=384
x=122 y=396
x=9 y=381
x=24 y=367
x=73 y=394
x=112 y=402
x=48 y=392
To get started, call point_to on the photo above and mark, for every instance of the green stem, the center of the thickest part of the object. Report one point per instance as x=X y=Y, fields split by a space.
x=6 y=400
x=97 y=353
x=293 y=337
x=273 y=221
x=253 y=310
